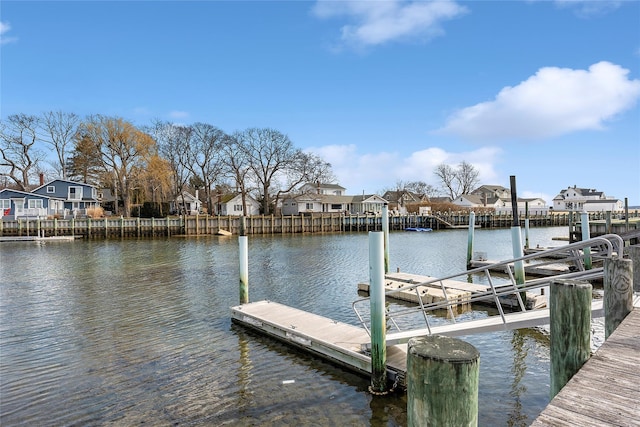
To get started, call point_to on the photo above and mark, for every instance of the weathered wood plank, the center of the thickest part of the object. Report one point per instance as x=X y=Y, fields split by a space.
x=606 y=391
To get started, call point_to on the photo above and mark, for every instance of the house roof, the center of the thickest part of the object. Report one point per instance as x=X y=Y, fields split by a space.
x=66 y=181
x=321 y=185
x=24 y=193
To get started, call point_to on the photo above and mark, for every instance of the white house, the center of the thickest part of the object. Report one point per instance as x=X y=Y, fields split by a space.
x=186 y=203
x=502 y=205
x=231 y=205
x=316 y=203
x=585 y=199
x=320 y=188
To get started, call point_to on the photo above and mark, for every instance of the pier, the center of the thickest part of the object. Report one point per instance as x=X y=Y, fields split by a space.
x=202 y=225
x=606 y=390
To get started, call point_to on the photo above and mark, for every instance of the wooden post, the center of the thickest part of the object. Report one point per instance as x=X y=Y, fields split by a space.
x=608 y=222
x=244 y=269
x=378 y=320
x=442 y=382
x=634 y=255
x=618 y=292
x=570 y=321
x=385 y=230
x=472 y=224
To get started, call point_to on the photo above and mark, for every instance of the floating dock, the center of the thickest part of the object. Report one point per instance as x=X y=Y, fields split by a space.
x=327 y=338
x=38 y=239
x=455 y=291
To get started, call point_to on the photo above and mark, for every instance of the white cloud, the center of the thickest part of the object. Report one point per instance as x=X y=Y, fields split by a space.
x=555 y=101
x=588 y=8
x=378 y=22
x=367 y=172
x=4 y=28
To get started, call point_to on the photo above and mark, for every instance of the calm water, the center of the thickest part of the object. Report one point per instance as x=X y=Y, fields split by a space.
x=138 y=332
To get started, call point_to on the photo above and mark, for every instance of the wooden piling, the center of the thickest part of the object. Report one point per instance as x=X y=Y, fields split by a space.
x=634 y=255
x=618 y=292
x=442 y=382
x=570 y=322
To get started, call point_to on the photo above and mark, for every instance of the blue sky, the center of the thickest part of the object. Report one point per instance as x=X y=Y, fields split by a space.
x=547 y=91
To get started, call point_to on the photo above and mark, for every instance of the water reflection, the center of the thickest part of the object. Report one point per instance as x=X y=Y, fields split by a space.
x=139 y=331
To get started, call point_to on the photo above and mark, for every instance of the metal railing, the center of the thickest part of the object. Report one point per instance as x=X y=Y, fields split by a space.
x=576 y=256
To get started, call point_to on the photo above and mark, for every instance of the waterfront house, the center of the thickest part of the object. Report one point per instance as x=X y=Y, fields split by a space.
x=16 y=204
x=401 y=200
x=320 y=188
x=77 y=197
x=186 y=203
x=310 y=203
x=585 y=199
x=231 y=204
x=502 y=204
x=367 y=204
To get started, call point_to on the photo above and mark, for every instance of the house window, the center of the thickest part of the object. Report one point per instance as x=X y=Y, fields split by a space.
x=35 y=204
x=309 y=206
x=237 y=208
x=336 y=207
x=75 y=193
x=5 y=204
x=51 y=189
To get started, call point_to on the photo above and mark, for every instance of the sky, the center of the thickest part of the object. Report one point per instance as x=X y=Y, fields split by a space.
x=546 y=91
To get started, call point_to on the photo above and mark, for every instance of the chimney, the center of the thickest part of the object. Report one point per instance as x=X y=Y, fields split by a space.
x=41 y=179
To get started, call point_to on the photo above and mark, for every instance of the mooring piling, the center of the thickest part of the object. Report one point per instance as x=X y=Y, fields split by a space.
x=618 y=292
x=243 y=251
x=377 y=306
x=472 y=223
x=385 y=230
x=584 y=225
x=570 y=322
x=442 y=382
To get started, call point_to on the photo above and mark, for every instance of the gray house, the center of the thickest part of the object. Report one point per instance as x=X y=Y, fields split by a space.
x=77 y=197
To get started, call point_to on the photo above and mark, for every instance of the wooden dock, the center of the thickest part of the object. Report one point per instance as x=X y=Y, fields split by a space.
x=544 y=270
x=606 y=390
x=456 y=291
x=327 y=338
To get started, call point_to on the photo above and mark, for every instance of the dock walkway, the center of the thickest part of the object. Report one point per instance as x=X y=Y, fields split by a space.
x=606 y=390
x=322 y=336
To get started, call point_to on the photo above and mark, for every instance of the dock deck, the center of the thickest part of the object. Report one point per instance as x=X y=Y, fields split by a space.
x=325 y=337
x=456 y=291
x=606 y=390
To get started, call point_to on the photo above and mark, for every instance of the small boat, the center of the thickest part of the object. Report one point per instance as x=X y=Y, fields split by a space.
x=417 y=229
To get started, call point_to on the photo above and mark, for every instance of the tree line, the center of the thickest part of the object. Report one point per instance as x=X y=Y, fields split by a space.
x=158 y=162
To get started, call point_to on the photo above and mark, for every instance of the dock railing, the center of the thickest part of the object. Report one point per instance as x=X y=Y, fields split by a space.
x=574 y=254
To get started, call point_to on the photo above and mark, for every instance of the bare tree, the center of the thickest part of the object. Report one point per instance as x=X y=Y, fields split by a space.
x=461 y=180
x=236 y=167
x=204 y=156
x=19 y=157
x=123 y=151
x=468 y=177
x=448 y=180
x=173 y=145
x=276 y=165
x=60 y=129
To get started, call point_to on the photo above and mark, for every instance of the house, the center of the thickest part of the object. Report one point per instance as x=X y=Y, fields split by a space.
x=319 y=188
x=585 y=199
x=401 y=199
x=310 y=203
x=76 y=197
x=231 y=204
x=16 y=204
x=186 y=203
x=492 y=192
x=501 y=205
